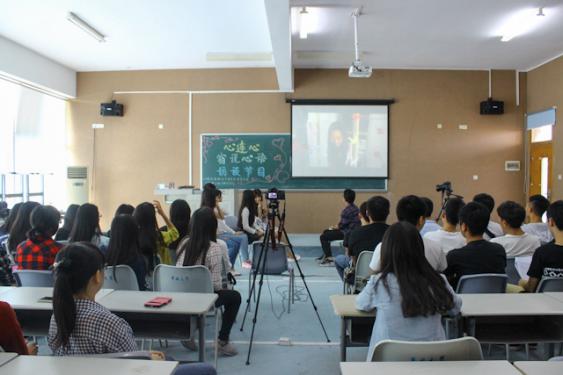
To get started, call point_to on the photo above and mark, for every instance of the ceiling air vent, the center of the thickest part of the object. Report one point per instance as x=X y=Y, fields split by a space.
x=77 y=172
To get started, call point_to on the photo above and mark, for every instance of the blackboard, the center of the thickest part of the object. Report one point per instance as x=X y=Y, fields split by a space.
x=263 y=161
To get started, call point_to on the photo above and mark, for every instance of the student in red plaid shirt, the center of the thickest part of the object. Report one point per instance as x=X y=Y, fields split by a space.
x=39 y=251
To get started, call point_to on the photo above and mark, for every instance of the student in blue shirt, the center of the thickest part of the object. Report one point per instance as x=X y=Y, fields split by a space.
x=409 y=295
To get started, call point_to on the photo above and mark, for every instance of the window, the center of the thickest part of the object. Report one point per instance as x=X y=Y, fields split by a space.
x=32 y=145
x=542 y=134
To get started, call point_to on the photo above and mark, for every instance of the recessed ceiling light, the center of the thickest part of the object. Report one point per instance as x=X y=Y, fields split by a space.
x=304 y=23
x=84 y=26
x=521 y=22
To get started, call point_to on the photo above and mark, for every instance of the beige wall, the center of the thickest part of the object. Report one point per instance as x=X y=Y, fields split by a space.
x=545 y=90
x=131 y=155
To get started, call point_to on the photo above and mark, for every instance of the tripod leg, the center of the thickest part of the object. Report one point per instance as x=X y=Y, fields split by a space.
x=306 y=286
x=261 y=269
x=254 y=273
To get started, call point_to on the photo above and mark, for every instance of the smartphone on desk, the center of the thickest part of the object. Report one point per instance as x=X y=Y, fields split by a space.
x=46 y=299
x=158 y=302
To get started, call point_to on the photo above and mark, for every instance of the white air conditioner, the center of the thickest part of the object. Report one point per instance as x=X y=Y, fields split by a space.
x=77 y=185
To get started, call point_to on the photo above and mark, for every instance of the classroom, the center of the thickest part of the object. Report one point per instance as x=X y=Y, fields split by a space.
x=348 y=187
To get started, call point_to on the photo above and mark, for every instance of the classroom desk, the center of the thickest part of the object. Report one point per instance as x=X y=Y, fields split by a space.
x=513 y=318
x=170 y=321
x=4 y=289
x=429 y=368
x=556 y=295
x=540 y=367
x=35 y=316
x=6 y=357
x=345 y=307
x=47 y=365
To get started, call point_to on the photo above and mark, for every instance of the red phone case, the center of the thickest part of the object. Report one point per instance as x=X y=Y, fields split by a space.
x=158 y=302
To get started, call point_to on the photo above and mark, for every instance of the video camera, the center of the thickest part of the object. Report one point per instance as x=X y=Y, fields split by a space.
x=445 y=187
x=275 y=196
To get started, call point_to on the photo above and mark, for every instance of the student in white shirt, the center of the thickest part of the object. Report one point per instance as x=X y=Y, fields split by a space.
x=493 y=228
x=248 y=218
x=430 y=225
x=412 y=209
x=535 y=208
x=516 y=243
x=448 y=236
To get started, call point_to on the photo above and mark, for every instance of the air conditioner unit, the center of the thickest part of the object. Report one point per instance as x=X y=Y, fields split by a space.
x=77 y=185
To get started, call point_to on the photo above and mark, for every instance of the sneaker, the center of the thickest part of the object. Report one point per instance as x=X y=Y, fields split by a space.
x=327 y=262
x=247 y=264
x=234 y=273
x=290 y=257
x=190 y=345
x=226 y=349
x=320 y=258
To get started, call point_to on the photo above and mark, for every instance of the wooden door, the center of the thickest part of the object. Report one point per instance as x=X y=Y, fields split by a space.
x=538 y=152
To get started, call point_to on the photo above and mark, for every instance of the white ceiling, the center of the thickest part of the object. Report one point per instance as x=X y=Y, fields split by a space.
x=449 y=34
x=142 y=34
x=168 y=34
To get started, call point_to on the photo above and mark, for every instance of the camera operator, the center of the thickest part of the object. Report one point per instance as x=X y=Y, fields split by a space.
x=348 y=221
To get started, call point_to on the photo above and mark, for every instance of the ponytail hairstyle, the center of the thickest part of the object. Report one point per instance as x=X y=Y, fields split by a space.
x=203 y=230
x=22 y=224
x=44 y=222
x=86 y=224
x=76 y=264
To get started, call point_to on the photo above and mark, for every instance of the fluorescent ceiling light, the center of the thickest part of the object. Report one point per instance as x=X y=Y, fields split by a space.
x=521 y=23
x=79 y=22
x=304 y=23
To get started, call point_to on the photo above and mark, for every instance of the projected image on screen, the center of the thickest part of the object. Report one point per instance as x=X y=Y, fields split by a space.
x=339 y=140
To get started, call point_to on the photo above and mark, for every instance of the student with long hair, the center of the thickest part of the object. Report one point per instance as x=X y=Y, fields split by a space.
x=409 y=295
x=180 y=214
x=122 y=209
x=152 y=241
x=261 y=207
x=39 y=250
x=22 y=224
x=5 y=227
x=201 y=248
x=248 y=220
x=64 y=232
x=123 y=248
x=87 y=227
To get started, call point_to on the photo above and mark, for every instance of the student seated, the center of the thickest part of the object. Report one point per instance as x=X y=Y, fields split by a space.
x=80 y=325
x=87 y=227
x=493 y=228
x=409 y=294
x=39 y=251
x=70 y=214
x=412 y=209
x=201 y=248
x=11 y=336
x=430 y=225
x=122 y=209
x=373 y=215
x=348 y=221
x=248 y=218
x=479 y=255
x=547 y=261
x=535 y=208
x=516 y=243
x=448 y=236
x=124 y=249
x=6 y=276
x=5 y=227
x=152 y=241
x=21 y=225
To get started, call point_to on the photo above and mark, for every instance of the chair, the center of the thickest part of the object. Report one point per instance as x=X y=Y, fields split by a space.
x=361 y=273
x=511 y=271
x=276 y=264
x=192 y=279
x=482 y=283
x=550 y=284
x=232 y=222
x=556 y=359
x=34 y=278
x=123 y=279
x=462 y=349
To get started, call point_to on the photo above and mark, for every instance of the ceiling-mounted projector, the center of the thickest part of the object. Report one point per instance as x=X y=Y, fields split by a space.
x=358 y=69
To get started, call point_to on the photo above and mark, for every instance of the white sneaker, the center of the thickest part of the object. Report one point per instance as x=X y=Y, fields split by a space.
x=226 y=349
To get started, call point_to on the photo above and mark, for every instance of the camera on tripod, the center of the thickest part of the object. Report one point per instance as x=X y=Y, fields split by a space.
x=274 y=197
x=445 y=187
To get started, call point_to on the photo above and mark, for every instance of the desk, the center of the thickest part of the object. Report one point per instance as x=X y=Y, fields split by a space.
x=556 y=295
x=540 y=367
x=345 y=307
x=510 y=304
x=170 y=321
x=35 y=316
x=6 y=357
x=4 y=289
x=429 y=368
x=47 y=365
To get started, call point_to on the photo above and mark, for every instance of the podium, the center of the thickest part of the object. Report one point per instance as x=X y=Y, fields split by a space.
x=193 y=197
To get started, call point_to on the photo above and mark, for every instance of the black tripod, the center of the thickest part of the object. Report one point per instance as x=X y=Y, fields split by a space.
x=446 y=195
x=270 y=241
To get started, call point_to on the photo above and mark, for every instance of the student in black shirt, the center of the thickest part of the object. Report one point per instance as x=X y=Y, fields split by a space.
x=369 y=235
x=547 y=260
x=479 y=255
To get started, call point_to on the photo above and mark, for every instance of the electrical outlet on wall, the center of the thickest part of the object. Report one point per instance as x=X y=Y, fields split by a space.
x=463 y=127
x=475 y=177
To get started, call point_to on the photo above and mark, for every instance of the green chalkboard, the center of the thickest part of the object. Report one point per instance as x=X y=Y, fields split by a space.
x=263 y=161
